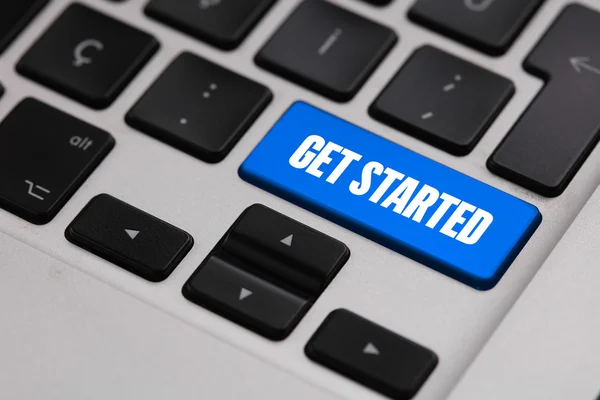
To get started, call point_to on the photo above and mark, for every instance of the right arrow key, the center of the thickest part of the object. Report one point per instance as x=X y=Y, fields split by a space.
x=371 y=355
x=553 y=138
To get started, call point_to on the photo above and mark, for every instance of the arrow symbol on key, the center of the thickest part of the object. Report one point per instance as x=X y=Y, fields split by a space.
x=581 y=63
x=245 y=293
x=371 y=349
x=132 y=233
x=288 y=240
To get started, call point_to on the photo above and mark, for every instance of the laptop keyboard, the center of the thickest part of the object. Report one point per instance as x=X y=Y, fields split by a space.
x=268 y=270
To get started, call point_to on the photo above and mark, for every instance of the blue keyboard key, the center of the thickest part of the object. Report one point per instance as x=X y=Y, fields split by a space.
x=391 y=195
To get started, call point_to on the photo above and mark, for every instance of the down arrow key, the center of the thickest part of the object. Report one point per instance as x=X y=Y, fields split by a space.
x=132 y=233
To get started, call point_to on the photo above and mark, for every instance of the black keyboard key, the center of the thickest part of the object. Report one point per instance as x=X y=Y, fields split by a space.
x=129 y=238
x=15 y=15
x=550 y=142
x=379 y=2
x=245 y=298
x=223 y=24
x=490 y=26
x=371 y=355
x=266 y=272
x=327 y=49
x=286 y=249
x=457 y=100
x=88 y=56
x=199 y=107
x=45 y=156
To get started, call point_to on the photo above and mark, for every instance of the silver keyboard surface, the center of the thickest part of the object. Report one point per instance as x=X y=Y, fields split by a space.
x=442 y=314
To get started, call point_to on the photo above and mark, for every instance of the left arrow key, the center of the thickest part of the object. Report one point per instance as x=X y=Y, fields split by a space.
x=104 y=227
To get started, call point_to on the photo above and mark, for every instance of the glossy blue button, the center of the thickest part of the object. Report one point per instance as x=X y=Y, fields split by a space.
x=391 y=195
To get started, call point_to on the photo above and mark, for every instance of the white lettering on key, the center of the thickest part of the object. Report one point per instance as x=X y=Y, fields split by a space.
x=392 y=176
x=457 y=218
x=401 y=195
x=448 y=201
x=361 y=188
x=417 y=208
x=476 y=227
x=302 y=157
x=323 y=158
x=349 y=156
x=330 y=41
x=411 y=198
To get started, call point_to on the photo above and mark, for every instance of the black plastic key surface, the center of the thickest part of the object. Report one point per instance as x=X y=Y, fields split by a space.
x=244 y=298
x=223 y=24
x=129 y=238
x=286 y=249
x=15 y=15
x=443 y=100
x=371 y=355
x=327 y=49
x=379 y=2
x=266 y=272
x=199 y=107
x=88 y=56
x=45 y=156
x=490 y=26
x=552 y=139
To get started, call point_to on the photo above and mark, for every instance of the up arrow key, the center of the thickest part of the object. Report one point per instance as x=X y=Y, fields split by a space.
x=371 y=349
x=288 y=240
